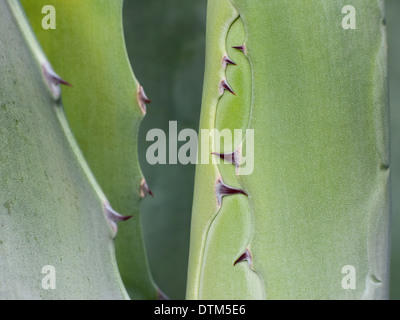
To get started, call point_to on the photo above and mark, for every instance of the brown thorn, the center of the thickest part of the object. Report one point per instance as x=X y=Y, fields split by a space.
x=142 y=99
x=222 y=190
x=226 y=60
x=53 y=79
x=113 y=216
x=61 y=81
x=144 y=189
x=232 y=157
x=52 y=76
x=241 y=48
x=225 y=86
x=246 y=256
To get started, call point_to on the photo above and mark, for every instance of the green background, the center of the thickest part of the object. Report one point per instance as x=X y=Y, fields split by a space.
x=165 y=41
x=393 y=26
x=166 y=44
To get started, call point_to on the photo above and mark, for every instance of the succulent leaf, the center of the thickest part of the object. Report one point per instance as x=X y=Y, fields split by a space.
x=104 y=107
x=52 y=212
x=318 y=199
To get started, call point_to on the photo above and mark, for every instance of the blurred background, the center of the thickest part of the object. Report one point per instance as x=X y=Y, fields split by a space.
x=393 y=29
x=166 y=45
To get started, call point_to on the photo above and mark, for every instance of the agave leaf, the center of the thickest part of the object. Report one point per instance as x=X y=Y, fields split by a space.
x=52 y=211
x=104 y=107
x=318 y=199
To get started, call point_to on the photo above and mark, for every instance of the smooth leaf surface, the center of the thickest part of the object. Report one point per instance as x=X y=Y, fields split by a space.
x=318 y=198
x=52 y=211
x=87 y=48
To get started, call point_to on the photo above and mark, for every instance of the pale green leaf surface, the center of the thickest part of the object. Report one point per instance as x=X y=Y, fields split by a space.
x=87 y=48
x=52 y=211
x=318 y=196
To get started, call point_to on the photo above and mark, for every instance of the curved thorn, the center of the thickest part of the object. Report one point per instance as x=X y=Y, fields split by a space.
x=241 y=48
x=61 y=81
x=222 y=190
x=52 y=76
x=225 y=86
x=144 y=189
x=226 y=60
x=246 y=256
x=232 y=157
x=142 y=99
x=53 y=80
x=113 y=216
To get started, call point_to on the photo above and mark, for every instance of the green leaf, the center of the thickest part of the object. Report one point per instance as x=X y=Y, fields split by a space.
x=103 y=107
x=318 y=198
x=52 y=211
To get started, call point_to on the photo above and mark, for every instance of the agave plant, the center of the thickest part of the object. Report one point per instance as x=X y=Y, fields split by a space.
x=314 y=93
x=306 y=79
x=54 y=213
x=105 y=107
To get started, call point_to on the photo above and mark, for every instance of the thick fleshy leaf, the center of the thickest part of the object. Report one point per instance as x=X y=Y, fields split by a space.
x=104 y=107
x=55 y=241
x=316 y=218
